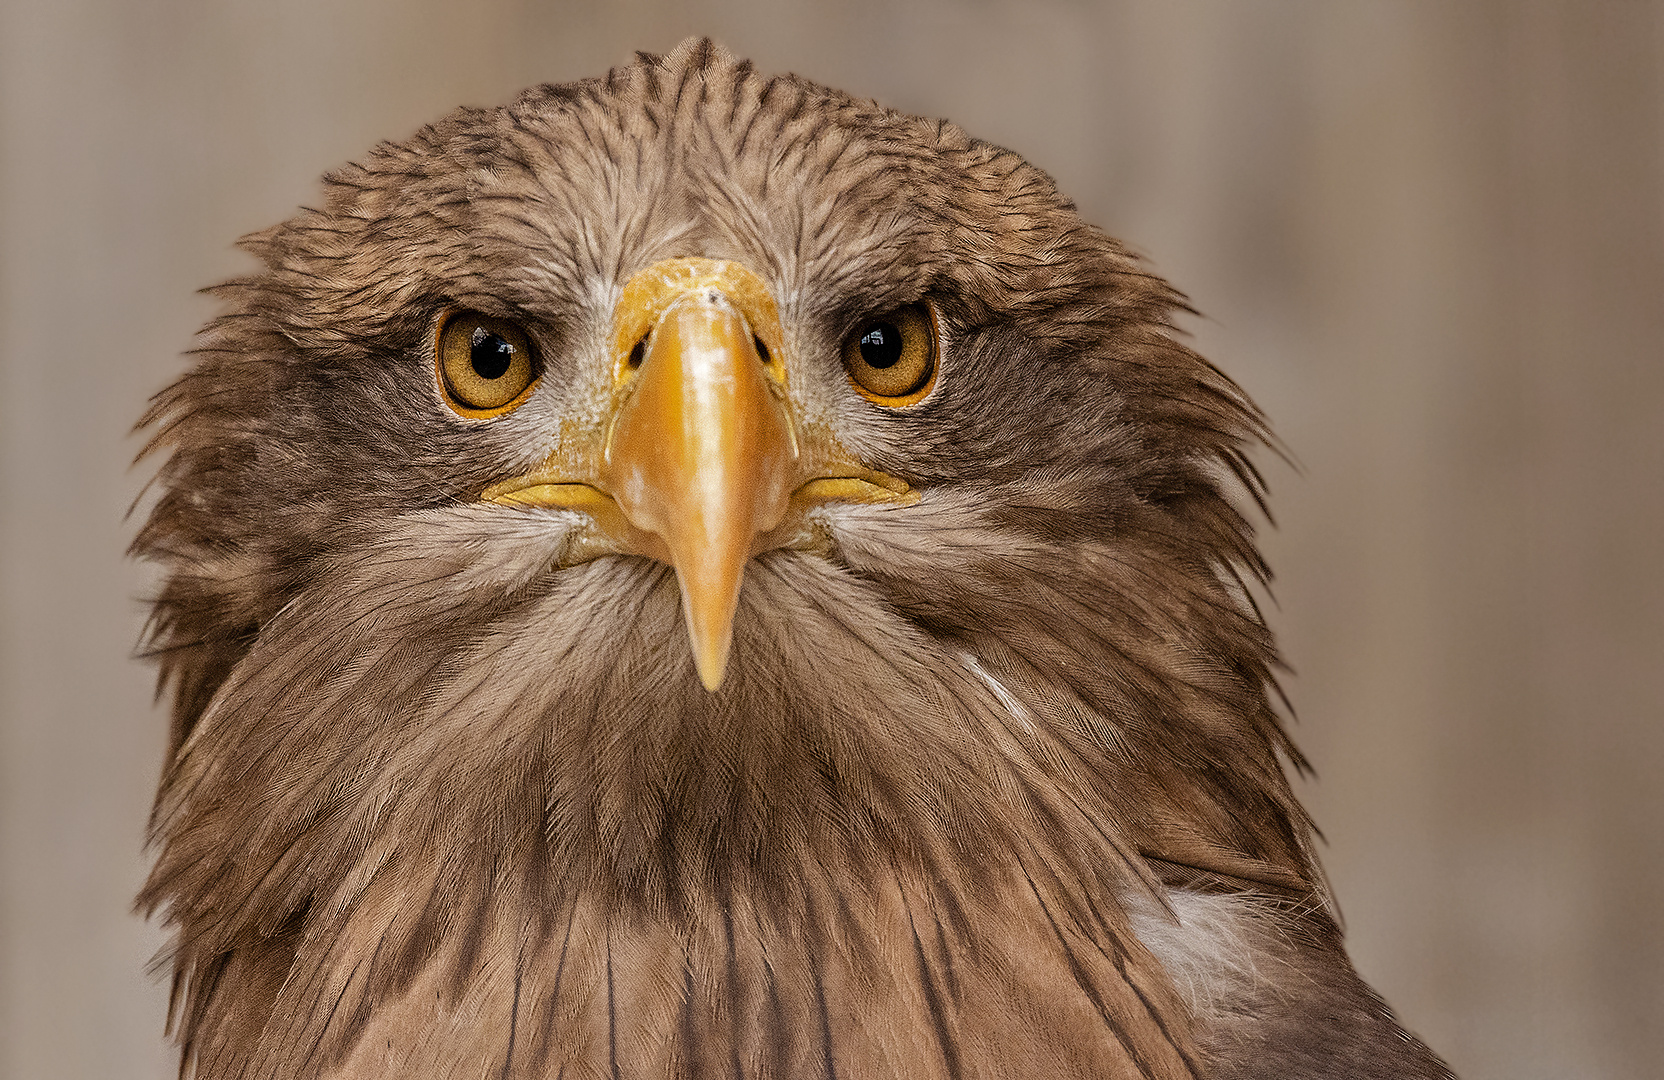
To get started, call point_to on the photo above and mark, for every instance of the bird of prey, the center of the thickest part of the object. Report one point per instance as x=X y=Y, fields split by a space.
x=693 y=574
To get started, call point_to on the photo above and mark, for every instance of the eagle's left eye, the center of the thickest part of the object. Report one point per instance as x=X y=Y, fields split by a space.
x=486 y=365
x=892 y=359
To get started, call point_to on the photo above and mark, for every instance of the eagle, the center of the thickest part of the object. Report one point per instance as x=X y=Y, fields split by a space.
x=696 y=574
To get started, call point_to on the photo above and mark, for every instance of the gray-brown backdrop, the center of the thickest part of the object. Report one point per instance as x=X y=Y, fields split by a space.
x=1428 y=238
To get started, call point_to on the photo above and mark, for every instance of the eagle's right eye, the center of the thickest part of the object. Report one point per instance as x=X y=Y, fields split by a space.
x=892 y=359
x=486 y=366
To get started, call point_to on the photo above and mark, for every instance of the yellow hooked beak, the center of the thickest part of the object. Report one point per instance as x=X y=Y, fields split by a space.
x=700 y=455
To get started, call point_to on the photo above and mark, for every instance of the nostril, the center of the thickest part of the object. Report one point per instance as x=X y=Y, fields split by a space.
x=638 y=354
x=762 y=350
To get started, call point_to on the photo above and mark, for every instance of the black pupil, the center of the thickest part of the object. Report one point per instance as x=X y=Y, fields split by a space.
x=881 y=345
x=489 y=353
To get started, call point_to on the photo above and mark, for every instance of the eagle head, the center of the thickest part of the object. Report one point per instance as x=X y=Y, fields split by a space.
x=694 y=573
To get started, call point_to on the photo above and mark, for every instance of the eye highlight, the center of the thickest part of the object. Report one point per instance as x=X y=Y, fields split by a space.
x=485 y=364
x=892 y=359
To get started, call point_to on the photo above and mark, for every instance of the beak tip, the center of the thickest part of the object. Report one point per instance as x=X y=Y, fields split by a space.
x=710 y=633
x=713 y=666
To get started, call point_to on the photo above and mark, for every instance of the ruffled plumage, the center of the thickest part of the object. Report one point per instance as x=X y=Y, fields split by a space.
x=994 y=787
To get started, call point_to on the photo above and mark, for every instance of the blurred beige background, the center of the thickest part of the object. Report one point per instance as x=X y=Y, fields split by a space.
x=1427 y=237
